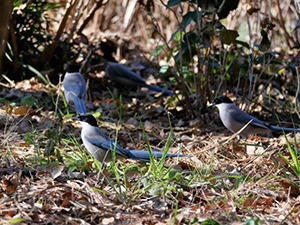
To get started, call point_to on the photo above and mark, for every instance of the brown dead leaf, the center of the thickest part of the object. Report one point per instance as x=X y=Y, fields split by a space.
x=9 y=213
x=261 y=202
x=266 y=201
x=290 y=188
x=24 y=144
x=8 y=108
x=237 y=148
x=109 y=100
x=69 y=195
x=66 y=203
x=279 y=160
x=196 y=209
x=249 y=202
x=35 y=217
x=21 y=110
x=209 y=207
x=258 y=138
x=11 y=185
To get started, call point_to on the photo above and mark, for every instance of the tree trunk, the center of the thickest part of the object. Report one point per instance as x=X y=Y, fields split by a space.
x=6 y=7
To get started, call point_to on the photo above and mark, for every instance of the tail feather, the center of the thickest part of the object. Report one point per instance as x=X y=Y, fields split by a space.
x=285 y=129
x=79 y=105
x=145 y=156
x=159 y=89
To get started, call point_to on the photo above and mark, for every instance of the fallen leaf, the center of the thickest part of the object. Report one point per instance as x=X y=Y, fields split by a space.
x=253 y=150
x=55 y=170
x=290 y=188
x=249 y=202
x=148 y=126
x=21 y=110
x=66 y=203
x=8 y=108
x=11 y=185
x=24 y=144
x=108 y=220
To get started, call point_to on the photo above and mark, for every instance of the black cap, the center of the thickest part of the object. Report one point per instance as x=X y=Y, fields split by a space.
x=222 y=99
x=90 y=119
x=73 y=68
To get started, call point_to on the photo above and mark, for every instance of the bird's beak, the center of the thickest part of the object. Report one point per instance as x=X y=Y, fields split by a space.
x=211 y=105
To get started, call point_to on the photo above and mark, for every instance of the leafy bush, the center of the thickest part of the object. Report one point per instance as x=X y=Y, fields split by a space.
x=210 y=59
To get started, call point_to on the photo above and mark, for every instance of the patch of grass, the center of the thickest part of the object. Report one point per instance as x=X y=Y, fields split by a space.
x=293 y=165
x=79 y=159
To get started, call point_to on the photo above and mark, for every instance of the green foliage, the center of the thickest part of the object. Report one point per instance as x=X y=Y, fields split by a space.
x=209 y=222
x=295 y=164
x=17 y=220
x=78 y=161
x=253 y=221
x=28 y=100
x=29 y=38
x=211 y=58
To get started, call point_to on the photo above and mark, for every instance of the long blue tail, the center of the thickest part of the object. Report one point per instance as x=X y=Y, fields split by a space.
x=79 y=105
x=144 y=155
x=285 y=129
x=159 y=89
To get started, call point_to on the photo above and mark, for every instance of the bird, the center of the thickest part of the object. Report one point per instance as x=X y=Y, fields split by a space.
x=234 y=119
x=122 y=75
x=75 y=88
x=100 y=146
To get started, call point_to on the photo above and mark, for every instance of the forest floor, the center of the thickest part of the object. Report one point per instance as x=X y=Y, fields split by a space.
x=47 y=177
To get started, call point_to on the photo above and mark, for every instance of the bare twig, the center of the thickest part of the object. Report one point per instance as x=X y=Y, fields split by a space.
x=281 y=21
x=258 y=76
x=224 y=73
x=48 y=54
x=87 y=59
x=297 y=92
x=90 y=16
x=78 y=15
x=180 y=78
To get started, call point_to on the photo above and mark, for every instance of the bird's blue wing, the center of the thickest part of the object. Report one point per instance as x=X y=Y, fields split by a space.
x=116 y=69
x=244 y=118
x=102 y=141
x=75 y=84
